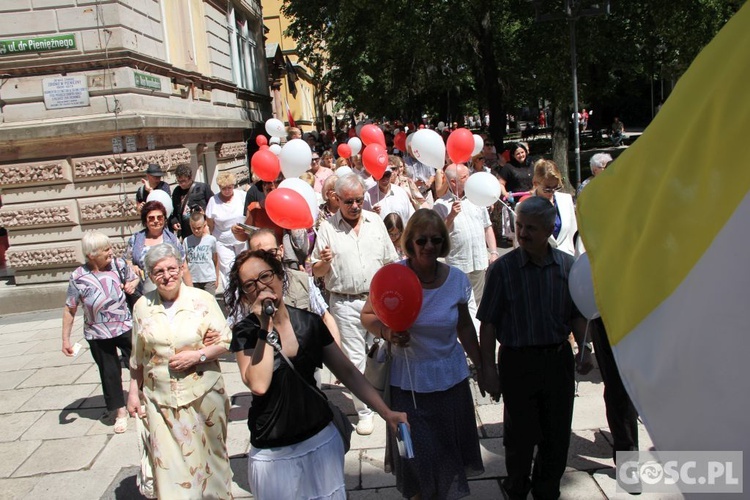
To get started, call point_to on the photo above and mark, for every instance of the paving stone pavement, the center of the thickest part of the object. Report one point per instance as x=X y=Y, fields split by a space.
x=55 y=447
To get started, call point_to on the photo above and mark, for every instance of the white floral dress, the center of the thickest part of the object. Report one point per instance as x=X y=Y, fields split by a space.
x=186 y=413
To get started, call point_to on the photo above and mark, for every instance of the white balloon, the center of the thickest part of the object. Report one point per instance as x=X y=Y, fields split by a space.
x=295 y=157
x=355 y=144
x=275 y=149
x=428 y=147
x=307 y=192
x=274 y=140
x=163 y=198
x=275 y=128
x=478 y=144
x=409 y=138
x=581 y=286
x=342 y=171
x=482 y=189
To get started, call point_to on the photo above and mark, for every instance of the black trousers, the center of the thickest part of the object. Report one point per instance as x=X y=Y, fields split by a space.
x=104 y=352
x=622 y=416
x=538 y=388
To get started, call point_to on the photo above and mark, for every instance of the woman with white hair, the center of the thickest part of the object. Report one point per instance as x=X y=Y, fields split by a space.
x=176 y=384
x=598 y=164
x=99 y=288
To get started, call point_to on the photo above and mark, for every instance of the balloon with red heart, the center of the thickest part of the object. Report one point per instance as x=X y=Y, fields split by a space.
x=396 y=296
x=261 y=140
x=344 y=150
x=288 y=209
x=265 y=164
x=400 y=141
x=460 y=145
x=371 y=134
x=375 y=159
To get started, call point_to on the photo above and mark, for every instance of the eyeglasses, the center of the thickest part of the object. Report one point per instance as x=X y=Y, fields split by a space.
x=387 y=173
x=550 y=190
x=480 y=158
x=315 y=160
x=265 y=278
x=155 y=218
x=435 y=240
x=352 y=201
x=162 y=273
x=273 y=183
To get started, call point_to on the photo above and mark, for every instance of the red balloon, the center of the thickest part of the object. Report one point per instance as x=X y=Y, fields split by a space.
x=264 y=146
x=375 y=159
x=261 y=140
x=371 y=134
x=344 y=150
x=396 y=296
x=288 y=209
x=265 y=164
x=400 y=141
x=460 y=145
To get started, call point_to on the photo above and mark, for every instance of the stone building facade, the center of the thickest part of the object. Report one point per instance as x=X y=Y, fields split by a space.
x=92 y=91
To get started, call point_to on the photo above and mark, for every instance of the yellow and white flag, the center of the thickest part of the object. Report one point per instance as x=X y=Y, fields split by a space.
x=667 y=229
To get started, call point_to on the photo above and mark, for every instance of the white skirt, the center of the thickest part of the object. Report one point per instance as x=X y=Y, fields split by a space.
x=312 y=469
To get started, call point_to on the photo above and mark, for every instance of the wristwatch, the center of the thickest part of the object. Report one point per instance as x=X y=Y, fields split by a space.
x=271 y=338
x=203 y=357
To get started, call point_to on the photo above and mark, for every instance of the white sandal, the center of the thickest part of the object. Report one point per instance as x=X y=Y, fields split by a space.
x=121 y=424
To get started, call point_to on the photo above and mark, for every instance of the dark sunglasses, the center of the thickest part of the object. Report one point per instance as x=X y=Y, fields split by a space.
x=435 y=240
x=352 y=201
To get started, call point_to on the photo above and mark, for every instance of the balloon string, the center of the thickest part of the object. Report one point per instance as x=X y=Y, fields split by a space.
x=411 y=382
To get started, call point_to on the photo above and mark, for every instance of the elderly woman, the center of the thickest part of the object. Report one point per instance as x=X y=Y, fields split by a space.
x=547 y=184
x=155 y=232
x=296 y=451
x=98 y=286
x=225 y=209
x=176 y=383
x=432 y=386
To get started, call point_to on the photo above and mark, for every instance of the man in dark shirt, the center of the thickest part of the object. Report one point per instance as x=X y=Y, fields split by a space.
x=188 y=196
x=528 y=309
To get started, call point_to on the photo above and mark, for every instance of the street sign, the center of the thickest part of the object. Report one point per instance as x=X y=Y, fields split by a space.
x=145 y=81
x=37 y=44
x=130 y=144
x=150 y=142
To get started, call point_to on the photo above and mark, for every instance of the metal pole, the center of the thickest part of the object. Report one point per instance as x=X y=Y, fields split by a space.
x=574 y=67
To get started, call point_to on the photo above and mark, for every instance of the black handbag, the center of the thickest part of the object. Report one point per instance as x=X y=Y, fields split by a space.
x=130 y=298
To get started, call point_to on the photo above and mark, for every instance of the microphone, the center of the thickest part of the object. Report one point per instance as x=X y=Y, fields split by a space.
x=268 y=308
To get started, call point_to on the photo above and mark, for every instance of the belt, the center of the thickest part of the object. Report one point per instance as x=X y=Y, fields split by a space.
x=352 y=296
x=538 y=348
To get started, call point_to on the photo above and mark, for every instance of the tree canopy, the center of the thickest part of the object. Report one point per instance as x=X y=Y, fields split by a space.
x=446 y=58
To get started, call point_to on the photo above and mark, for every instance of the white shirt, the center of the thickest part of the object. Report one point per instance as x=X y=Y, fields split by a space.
x=225 y=215
x=395 y=200
x=468 y=242
x=356 y=257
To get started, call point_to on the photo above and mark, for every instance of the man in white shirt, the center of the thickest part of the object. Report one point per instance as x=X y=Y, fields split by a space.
x=350 y=248
x=470 y=230
x=385 y=198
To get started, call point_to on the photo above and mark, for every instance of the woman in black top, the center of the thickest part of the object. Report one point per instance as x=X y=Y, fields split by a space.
x=296 y=452
x=518 y=174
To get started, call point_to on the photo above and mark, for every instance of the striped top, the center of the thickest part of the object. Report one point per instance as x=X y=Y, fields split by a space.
x=528 y=304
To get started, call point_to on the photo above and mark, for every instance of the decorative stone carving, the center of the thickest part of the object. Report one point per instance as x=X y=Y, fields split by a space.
x=43 y=257
x=118 y=249
x=128 y=163
x=180 y=157
x=107 y=210
x=231 y=149
x=33 y=173
x=40 y=216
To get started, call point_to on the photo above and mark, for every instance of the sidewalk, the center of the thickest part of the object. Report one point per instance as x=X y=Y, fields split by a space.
x=54 y=447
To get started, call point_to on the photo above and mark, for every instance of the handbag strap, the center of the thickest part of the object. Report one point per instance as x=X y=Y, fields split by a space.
x=277 y=348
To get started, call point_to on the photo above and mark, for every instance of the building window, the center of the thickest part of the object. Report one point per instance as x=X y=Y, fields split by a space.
x=243 y=33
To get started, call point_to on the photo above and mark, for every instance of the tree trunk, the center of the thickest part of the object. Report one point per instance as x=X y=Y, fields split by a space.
x=493 y=89
x=560 y=144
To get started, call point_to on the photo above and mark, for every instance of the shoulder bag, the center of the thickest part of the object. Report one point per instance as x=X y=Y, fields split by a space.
x=378 y=368
x=130 y=298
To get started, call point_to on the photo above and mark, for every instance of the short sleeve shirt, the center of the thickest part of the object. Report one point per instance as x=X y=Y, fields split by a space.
x=105 y=311
x=200 y=257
